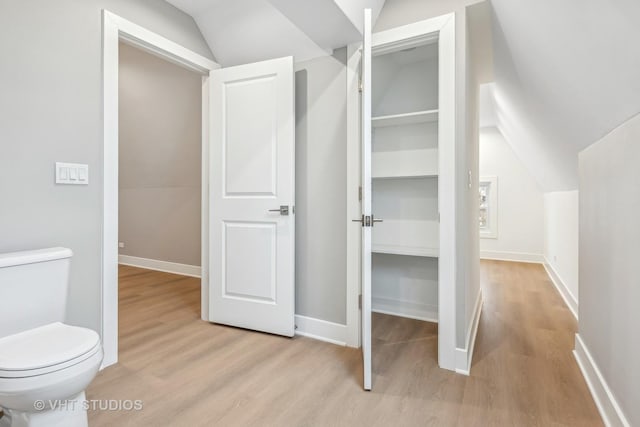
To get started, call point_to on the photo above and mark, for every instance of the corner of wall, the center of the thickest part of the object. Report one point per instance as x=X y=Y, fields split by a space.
x=464 y=356
x=608 y=406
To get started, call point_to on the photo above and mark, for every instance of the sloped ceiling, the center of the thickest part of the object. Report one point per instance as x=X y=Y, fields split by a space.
x=243 y=31
x=566 y=74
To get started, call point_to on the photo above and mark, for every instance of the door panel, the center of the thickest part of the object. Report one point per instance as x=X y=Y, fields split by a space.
x=252 y=176
x=366 y=199
x=256 y=242
x=251 y=136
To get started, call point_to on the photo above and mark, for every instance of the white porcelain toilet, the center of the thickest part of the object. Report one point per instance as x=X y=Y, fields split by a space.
x=45 y=365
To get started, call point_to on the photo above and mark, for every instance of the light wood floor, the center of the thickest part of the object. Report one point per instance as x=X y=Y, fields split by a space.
x=191 y=373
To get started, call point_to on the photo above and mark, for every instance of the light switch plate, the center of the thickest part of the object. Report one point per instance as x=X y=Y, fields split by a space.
x=72 y=173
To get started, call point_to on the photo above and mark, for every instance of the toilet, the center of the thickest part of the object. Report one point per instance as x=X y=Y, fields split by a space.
x=45 y=365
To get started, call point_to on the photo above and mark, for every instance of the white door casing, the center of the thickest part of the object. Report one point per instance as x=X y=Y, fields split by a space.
x=442 y=28
x=252 y=173
x=366 y=199
x=116 y=29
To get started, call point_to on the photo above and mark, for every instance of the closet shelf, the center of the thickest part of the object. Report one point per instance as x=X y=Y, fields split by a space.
x=405 y=163
x=404 y=250
x=405 y=118
x=407 y=176
x=407 y=237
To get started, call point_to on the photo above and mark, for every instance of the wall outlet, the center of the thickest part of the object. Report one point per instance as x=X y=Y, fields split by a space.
x=121 y=245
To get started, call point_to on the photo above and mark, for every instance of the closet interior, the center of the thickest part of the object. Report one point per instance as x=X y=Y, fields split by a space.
x=405 y=166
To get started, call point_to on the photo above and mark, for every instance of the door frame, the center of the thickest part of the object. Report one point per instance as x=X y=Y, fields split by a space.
x=114 y=30
x=407 y=36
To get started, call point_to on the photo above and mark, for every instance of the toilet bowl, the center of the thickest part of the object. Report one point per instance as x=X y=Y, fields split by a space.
x=45 y=365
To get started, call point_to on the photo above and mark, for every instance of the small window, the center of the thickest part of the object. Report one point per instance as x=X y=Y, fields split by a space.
x=488 y=215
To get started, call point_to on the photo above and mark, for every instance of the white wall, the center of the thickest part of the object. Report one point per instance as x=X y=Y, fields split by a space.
x=51 y=110
x=160 y=140
x=321 y=168
x=561 y=242
x=609 y=261
x=520 y=202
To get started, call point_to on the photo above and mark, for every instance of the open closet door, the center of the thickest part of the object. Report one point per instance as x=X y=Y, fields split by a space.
x=252 y=197
x=367 y=216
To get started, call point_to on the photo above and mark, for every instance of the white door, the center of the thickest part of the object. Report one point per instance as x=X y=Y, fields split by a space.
x=252 y=197
x=367 y=216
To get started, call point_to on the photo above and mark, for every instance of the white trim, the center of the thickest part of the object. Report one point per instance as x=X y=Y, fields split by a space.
x=464 y=356
x=204 y=219
x=404 y=36
x=607 y=404
x=492 y=231
x=445 y=26
x=447 y=194
x=321 y=330
x=512 y=256
x=353 y=202
x=115 y=29
x=408 y=309
x=157 y=265
x=563 y=290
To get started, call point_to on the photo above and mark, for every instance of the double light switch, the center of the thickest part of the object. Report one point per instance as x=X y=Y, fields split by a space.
x=72 y=173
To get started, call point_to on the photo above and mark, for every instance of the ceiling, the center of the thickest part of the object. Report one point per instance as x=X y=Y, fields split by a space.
x=566 y=74
x=243 y=31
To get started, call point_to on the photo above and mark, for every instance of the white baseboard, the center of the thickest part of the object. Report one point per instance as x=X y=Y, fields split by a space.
x=464 y=356
x=564 y=291
x=409 y=309
x=512 y=256
x=322 y=330
x=164 y=266
x=609 y=408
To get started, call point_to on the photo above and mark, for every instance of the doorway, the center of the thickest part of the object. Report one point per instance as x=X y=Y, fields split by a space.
x=160 y=187
x=115 y=30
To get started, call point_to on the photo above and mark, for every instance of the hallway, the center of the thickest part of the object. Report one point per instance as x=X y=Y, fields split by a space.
x=188 y=372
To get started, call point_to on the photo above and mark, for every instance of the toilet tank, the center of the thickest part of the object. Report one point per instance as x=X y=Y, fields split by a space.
x=33 y=288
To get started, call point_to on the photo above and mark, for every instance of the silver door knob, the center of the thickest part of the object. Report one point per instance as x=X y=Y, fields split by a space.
x=284 y=210
x=367 y=221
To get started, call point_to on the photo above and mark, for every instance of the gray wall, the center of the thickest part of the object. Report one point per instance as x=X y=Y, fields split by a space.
x=51 y=110
x=609 y=268
x=321 y=185
x=160 y=125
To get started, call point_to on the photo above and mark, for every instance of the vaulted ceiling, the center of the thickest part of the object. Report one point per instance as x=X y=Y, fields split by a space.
x=566 y=74
x=242 y=31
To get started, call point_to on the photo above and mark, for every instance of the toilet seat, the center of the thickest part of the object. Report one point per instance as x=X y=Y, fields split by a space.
x=46 y=349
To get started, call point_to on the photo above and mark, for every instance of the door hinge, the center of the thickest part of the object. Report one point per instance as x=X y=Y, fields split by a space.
x=360 y=193
x=360 y=301
x=360 y=86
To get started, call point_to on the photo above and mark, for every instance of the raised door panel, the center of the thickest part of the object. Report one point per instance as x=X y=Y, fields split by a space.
x=250 y=145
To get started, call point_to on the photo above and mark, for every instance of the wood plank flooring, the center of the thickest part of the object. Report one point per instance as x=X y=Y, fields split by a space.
x=191 y=373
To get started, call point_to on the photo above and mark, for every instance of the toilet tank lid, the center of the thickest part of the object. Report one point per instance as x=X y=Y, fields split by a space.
x=12 y=259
